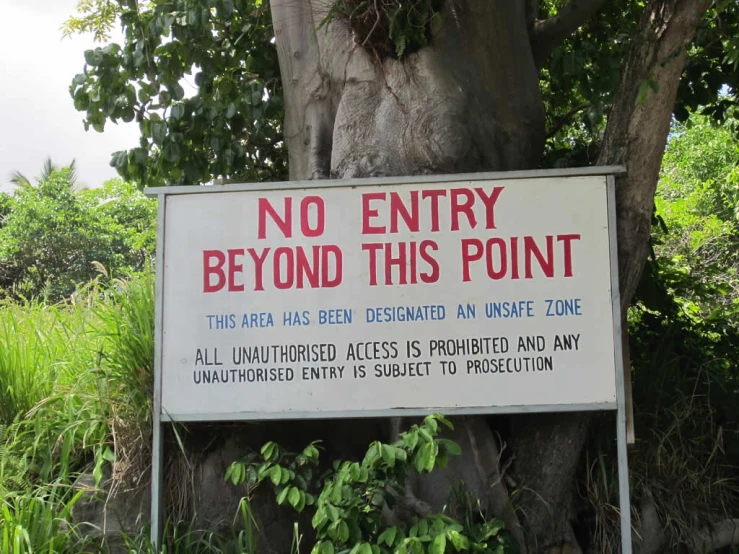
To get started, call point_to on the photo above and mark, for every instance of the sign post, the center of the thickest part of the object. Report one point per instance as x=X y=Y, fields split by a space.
x=459 y=294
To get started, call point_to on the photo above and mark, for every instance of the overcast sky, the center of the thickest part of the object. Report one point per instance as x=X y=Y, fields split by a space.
x=37 y=117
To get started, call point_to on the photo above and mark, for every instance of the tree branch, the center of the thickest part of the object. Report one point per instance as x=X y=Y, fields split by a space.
x=548 y=33
x=637 y=131
x=565 y=118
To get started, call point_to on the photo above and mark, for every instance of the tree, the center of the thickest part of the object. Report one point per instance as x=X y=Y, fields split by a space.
x=54 y=238
x=432 y=86
x=47 y=170
x=698 y=205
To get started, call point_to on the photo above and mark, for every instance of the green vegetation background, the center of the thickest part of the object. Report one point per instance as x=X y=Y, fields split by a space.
x=76 y=355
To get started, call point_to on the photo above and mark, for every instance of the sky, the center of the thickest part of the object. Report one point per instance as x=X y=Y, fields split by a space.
x=37 y=116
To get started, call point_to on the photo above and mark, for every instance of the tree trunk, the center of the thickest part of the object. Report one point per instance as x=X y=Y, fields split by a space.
x=637 y=132
x=470 y=102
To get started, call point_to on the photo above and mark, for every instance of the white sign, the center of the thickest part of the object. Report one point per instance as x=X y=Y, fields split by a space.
x=481 y=295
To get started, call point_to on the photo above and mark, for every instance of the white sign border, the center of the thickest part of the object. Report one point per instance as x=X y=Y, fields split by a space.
x=158 y=417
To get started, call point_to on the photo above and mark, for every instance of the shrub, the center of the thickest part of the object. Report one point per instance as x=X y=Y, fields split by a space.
x=347 y=503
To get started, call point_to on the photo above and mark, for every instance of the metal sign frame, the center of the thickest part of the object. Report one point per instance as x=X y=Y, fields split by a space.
x=159 y=418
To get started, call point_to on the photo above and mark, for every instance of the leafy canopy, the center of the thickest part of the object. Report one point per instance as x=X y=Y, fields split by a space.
x=54 y=237
x=698 y=208
x=231 y=126
x=201 y=78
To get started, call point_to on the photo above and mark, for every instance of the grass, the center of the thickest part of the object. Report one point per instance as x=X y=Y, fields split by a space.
x=39 y=522
x=686 y=459
x=74 y=396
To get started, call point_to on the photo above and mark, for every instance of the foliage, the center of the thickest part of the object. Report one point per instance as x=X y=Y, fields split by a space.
x=94 y=16
x=75 y=396
x=230 y=127
x=347 y=503
x=75 y=383
x=5 y=203
x=698 y=206
x=581 y=77
x=55 y=237
x=684 y=329
x=388 y=28
x=38 y=522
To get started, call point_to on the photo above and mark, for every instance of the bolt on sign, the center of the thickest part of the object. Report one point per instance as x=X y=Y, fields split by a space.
x=482 y=293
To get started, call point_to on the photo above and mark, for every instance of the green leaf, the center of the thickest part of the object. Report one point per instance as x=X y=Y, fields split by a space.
x=430 y=458
x=378 y=498
x=439 y=544
x=451 y=447
x=425 y=457
x=343 y=531
x=97 y=472
x=177 y=111
x=327 y=547
x=276 y=475
x=442 y=460
x=93 y=57
x=178 y=93
x=294 y=496
x=109 y=455
x=336 y=493
x=332 y=512
x=444 y=421
x=388 y=536
x=158 y=131
x=233 y=473
x=493 y=527
x=430 y=423
x=458 y=541
x=300 y=506
x=388 y=454
x=419 y=461
x=283 y=495
x=425 y=435
x=319 y=518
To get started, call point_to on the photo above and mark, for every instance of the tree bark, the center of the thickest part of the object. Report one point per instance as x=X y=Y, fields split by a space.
x=635 y=136
x=454 y=106
x=547 y=34
x=471 y=102
x=637 y=133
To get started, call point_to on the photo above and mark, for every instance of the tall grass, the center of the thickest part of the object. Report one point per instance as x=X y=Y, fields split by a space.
x=36 y=523
x=35 y=342
x=685 y=463
x=75 y=396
